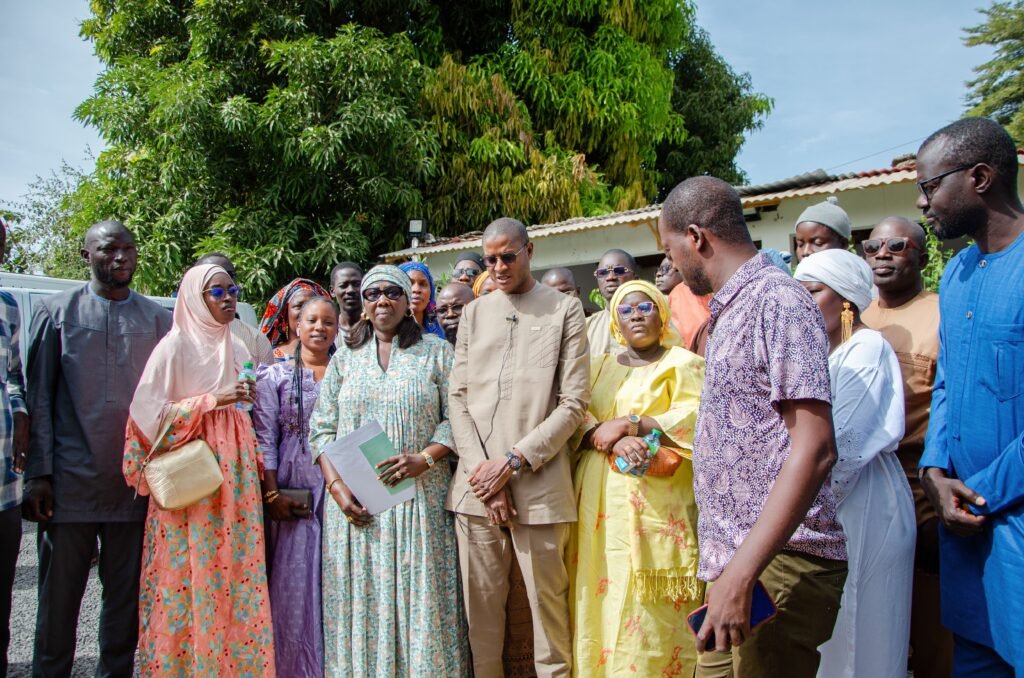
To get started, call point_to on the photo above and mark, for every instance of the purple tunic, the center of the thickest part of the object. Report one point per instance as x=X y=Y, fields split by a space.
x=294 y=547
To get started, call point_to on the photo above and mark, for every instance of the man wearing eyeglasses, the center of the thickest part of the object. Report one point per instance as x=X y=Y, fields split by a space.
x=89 y=346
x=519 y=389
x=451 y=301
x=615 y=267
x=907 y=315
x=973 y=464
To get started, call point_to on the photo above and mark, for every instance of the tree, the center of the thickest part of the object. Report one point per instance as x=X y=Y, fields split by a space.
x=998 y=91
x=296 y=133
x=719 y=108
x=46 y=228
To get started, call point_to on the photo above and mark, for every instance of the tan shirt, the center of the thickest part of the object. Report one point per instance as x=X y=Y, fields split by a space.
x=913 y=332
x=599 y=334
x=521 y=380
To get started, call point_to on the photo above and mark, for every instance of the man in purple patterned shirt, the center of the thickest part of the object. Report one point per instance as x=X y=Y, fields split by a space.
x=763 y=447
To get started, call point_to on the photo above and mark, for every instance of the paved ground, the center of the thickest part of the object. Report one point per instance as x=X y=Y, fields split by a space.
x=23 y=615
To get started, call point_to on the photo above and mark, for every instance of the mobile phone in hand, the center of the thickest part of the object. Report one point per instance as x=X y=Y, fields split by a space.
x=762 y=609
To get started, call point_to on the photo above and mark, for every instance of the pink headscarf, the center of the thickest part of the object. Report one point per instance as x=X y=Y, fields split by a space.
x=198 y=356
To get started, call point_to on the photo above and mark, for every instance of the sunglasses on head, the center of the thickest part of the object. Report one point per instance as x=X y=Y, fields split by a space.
x=644 y=308
x=394 y=293
x=894 y=245
x=507 y=258
x=468 y=272
x=617 y=270
x=219 y=293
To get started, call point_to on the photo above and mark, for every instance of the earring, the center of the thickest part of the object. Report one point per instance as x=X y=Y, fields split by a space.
x=846 y=318
x=363 y=316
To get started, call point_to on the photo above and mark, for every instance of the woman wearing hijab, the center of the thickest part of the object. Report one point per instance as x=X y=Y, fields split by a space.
x=282 y=315
x=391 y=603
x=422 y=302
x=203 y=608
x=875 y=505
x=286 y=395
x=635 y=545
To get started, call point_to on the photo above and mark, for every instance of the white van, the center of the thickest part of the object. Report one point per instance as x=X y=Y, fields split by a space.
x=27 y=290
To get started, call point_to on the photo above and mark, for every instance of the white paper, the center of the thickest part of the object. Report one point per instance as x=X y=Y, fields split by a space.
x=359 y=474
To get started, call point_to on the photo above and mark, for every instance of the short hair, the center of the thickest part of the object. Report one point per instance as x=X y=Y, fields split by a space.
x=106 y=224
x=709 y=203
x=509 y=227
x=623 y=253
x=345 y=265
x=212 y=255
x=970 y=141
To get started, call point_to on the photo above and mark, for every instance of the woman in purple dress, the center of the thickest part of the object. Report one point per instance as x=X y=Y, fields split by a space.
x=285 y=395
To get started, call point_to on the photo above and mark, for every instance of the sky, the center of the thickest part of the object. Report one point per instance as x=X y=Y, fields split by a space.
x=850 y=79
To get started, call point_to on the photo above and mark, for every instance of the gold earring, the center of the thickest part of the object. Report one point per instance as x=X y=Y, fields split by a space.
x=846 y=318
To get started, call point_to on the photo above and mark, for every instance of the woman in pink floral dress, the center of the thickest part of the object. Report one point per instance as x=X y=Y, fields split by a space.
x=203 y=608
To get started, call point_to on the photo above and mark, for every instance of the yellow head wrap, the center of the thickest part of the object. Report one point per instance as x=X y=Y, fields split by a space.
x=669 y=335
x=478 y=284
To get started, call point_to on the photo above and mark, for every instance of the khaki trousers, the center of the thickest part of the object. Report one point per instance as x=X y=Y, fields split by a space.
x=485 y=558
x=807 y=591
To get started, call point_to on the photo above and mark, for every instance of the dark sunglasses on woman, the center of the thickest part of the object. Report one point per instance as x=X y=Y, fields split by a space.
x=468 y=272
x=394 y=293
x=894 y=245
x=644 y=308
x=219 y=293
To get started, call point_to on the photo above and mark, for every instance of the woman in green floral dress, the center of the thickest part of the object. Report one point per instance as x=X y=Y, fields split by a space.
x=391 y=596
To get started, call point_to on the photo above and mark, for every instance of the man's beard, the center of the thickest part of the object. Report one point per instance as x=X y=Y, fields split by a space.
x=450 y=333
x=106 y=278
x=697 y=280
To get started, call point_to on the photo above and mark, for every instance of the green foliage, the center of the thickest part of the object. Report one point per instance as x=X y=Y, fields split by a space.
x=719 y=108
x=938 y=257
x=46 y=230
x=298 y=133
x=597 y=299
x=998 y=91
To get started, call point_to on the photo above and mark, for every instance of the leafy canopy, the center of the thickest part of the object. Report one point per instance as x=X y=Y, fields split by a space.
x=998 y=91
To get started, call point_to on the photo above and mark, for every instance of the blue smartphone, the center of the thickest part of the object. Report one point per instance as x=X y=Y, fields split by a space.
x=762 y=609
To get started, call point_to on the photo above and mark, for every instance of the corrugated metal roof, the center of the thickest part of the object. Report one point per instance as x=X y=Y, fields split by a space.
x=804 y=185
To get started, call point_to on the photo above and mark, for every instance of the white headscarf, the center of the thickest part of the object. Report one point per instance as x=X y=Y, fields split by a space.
x=198 y=356
x=845 y=273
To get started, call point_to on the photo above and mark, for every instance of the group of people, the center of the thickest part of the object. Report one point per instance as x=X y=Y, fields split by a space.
x=837 y=434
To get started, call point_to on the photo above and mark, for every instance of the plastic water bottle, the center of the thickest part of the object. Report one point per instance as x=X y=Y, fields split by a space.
x=653 y=440
x=249 y=374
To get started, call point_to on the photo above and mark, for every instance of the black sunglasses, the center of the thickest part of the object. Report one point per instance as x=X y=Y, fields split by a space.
x=617 y=270
x=394 y=293
x=507 y=258
x=926 y=187
x=894 y=245
x=468 y=272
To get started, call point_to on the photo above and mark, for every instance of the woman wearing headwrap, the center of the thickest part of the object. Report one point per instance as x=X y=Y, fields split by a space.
x=391 y=604
x=875 y=505
x=483 y=285
x=633 y=555
x=422 y=301
x=823 y=226
x=282 y=315
x=204 y=608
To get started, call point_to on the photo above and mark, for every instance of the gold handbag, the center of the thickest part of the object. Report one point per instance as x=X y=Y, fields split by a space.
x=183 y=476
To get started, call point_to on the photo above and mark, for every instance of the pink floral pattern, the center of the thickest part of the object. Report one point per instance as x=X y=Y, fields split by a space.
x=767 y=344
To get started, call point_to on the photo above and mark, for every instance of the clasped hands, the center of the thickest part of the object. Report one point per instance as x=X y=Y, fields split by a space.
x=612 y=437
x=488 y=482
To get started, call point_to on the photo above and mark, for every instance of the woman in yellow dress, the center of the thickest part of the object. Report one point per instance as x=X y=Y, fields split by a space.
x=633 y=556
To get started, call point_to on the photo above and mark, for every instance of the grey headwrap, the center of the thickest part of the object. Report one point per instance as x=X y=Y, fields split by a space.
x=830 y=214
x=387 y=273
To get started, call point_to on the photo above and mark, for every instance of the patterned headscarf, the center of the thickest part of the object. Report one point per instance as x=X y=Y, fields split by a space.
x=275 y=318
x=429 y=315
x=478 y=284
x=669 y=335
x=387 y=273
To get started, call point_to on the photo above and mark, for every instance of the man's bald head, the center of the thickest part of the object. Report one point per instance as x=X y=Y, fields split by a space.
x=710 y=203
x=897 y=275
x=451 y=301
x=218 y=259
x=101 y=229
x=901 y=227
x=507 y=227
x=563 y=280
x=616 y=254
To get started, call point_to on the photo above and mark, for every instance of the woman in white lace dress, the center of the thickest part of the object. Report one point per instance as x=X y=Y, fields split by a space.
x=875 y=505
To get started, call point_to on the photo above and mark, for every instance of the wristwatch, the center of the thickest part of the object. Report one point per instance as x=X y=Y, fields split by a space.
x=634 y=425
x=514 y=462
